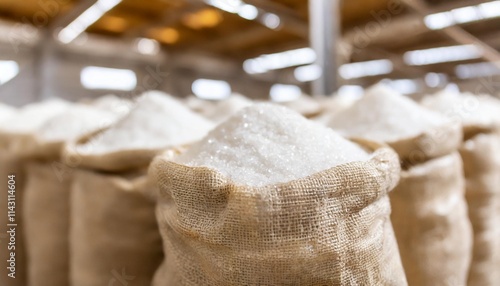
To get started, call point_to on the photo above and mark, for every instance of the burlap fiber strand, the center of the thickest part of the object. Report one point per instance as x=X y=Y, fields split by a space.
x=46 y=215
x=481 y=155
x=9 y=165
x=330 y=228
x=429 y=215
x=114 y=236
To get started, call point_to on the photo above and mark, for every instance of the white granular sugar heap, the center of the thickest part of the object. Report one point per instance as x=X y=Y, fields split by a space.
x=156 y=121
x=265 y=144
x=466 y=108
x=384 y=115
x=33 y=116
x=76 y=121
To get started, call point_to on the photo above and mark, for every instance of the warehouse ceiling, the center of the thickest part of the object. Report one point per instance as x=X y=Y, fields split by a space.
x=371 y=29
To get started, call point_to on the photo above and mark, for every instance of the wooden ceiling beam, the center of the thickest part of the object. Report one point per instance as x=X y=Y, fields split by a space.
x=237 y=40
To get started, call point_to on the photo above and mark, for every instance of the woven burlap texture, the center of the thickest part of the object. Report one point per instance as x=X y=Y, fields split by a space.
x=429 y=215
x=46 y=220
x=481 y=156
x=11 y=164
x=330 y=228
x=114 y=237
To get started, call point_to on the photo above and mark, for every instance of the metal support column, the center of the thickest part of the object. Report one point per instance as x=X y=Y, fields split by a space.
x=44 y=71
x=324 y=22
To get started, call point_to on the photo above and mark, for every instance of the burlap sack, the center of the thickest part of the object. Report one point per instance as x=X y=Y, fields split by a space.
x=114 y=237
x=113 y=161
x=429 y=215
x=330 y=228
x=11 y=165
x=481 y=156
x=46 y=213
x=430 y=144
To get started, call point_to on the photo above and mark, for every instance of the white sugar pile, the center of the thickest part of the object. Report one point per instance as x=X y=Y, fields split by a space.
x=466 y=108
x=156 y=121
x=6 y=111
x=385 y=115
x=32 y=116
x=78 y=120
x=113 y=103
x=266 y=144
x=225 y=108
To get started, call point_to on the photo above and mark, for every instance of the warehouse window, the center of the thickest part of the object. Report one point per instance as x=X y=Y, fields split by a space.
x=284 y=92
x=108 y=78
x=8 y=70
x=211 y=89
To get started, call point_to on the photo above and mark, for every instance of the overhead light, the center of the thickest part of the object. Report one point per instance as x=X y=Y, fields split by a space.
x=87 y=18
x=211 y=89
x=467 y=71
x=270 y=20
x=165 y=35
x=403 y=86
x=148 y=46
x=364 y=69
x=230 y=6
x=490 y=9
x=307 y=73
x=291 y=58
x=466 y=14
x=439 y=20
x=206 y=18
x=435 y=79
x=8 y=70
x=463 y=15
x=248 y=12
x=284 y=92
x=93 y=77
x=442 y=55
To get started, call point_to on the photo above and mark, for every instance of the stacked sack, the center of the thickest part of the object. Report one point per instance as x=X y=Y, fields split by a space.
x=429 y=212
x=114 y=237
x=223 y=109
x=480 y=151
x=270 y=198
x=15 y=128
x=305 y=105
x=46 y=212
